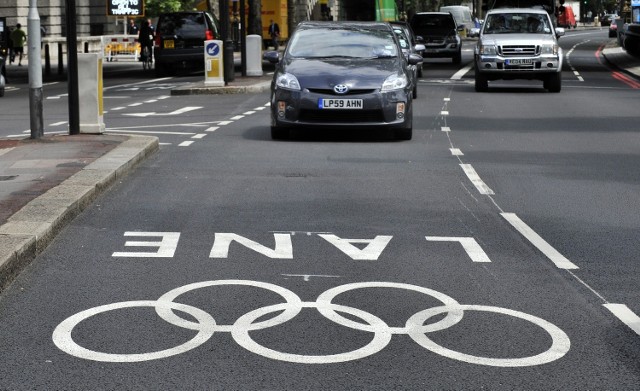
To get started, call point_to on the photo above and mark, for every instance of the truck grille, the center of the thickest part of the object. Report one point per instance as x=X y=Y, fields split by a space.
x=519 y=50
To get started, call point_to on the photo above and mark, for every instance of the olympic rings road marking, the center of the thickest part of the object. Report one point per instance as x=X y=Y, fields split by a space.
x=205 y=325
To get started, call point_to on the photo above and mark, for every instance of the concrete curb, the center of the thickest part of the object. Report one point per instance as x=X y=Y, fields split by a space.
x=29 y=231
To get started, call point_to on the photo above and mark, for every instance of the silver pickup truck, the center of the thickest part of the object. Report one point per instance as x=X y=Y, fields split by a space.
x=518 y=43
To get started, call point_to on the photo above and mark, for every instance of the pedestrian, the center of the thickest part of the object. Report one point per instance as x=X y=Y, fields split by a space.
x=18 y=39
x=133 y=28
x=274 y=33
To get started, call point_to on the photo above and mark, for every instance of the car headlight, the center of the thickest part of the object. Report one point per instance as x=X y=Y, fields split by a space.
x=288 y=81
x=488 y=50
x=549 y=49
x=452 y=39
x=394 y=82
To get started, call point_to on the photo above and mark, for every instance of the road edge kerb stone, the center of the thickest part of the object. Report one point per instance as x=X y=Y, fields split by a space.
x=30 y=230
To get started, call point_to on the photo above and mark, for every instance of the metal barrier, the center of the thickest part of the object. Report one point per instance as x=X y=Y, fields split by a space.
x=116 y=47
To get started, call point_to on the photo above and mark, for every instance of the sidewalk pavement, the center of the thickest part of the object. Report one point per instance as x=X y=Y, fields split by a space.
x=45 y=183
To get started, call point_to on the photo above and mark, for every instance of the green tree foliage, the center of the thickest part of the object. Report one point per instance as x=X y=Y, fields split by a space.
x=155 y=7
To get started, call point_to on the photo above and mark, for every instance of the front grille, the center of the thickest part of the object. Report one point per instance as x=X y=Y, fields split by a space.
x=345 y=116
x=328 y=91
x=519 y=50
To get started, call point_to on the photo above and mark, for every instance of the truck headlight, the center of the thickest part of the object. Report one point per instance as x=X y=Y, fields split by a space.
x=488 y=50
x=549 y=49
x=287 y=81
x=394 y=82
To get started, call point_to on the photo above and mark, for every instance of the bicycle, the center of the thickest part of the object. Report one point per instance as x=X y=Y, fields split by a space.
x=145 y=57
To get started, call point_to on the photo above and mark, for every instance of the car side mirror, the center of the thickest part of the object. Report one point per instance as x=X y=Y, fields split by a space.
x=272 y=56
x=559 y=32
x=420 y=48
x=415 y=59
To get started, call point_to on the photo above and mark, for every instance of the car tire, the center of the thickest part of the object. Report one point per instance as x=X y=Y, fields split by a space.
x=553 y=83
x=414 y=94
x=404 y=134
x=481 y=82
x=457 y=59
x=278 y=133
x=420 y=71
x=2 y=92
x=160 y=69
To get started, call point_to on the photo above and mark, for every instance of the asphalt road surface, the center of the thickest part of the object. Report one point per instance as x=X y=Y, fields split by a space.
x=496 y=250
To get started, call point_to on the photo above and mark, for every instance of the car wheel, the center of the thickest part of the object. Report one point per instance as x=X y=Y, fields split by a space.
x=404 y=134
x=160 y=69
x=553 y=83
x=420 y=71
x=481 y=82
x=457 y=59
x=415 y=91
x=278 y=133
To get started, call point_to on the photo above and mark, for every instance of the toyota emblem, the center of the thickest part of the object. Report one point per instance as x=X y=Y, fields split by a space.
x=341 y=89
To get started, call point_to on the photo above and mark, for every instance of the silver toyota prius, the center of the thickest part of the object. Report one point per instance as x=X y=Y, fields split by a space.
x=342 y=75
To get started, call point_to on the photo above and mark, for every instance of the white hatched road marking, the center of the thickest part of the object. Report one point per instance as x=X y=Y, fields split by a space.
x=475 y=179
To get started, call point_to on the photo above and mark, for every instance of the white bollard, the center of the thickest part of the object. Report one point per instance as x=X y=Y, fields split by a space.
x=254 y=55
x=90 y=93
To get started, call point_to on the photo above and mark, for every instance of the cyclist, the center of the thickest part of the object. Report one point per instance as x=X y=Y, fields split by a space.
x=145 y=37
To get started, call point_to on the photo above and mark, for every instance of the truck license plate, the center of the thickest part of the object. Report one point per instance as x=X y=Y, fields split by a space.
x=520 y=61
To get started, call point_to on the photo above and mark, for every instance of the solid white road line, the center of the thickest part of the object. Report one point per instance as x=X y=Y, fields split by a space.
x=558 y=259
x=627 y=316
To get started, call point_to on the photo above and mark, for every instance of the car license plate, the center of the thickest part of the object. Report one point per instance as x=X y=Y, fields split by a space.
x=520 y=61
x=340 y=103
x=169 y=44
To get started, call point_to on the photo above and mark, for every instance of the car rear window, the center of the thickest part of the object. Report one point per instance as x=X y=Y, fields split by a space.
x=183 y=25
x=434 y=22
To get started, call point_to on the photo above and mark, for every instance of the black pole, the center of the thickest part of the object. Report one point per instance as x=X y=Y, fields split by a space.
x=72 y=68
x=47 y=60
x=243 y=40
x=60 y=60
x=227 y=43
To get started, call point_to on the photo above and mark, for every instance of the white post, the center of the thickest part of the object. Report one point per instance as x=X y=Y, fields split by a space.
x=254 y=55
x=35 y=70
x=90 y=93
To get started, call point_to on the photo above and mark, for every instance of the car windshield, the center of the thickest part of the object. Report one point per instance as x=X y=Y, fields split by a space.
x=515 y=23
x=342 y=42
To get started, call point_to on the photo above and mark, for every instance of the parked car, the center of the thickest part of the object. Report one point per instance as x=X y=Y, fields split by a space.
x=179 y=40
x=342 y=74
x=518 y=43
x=613 y=29
x=408 y=48
x=440 y=35
x=608 y=19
